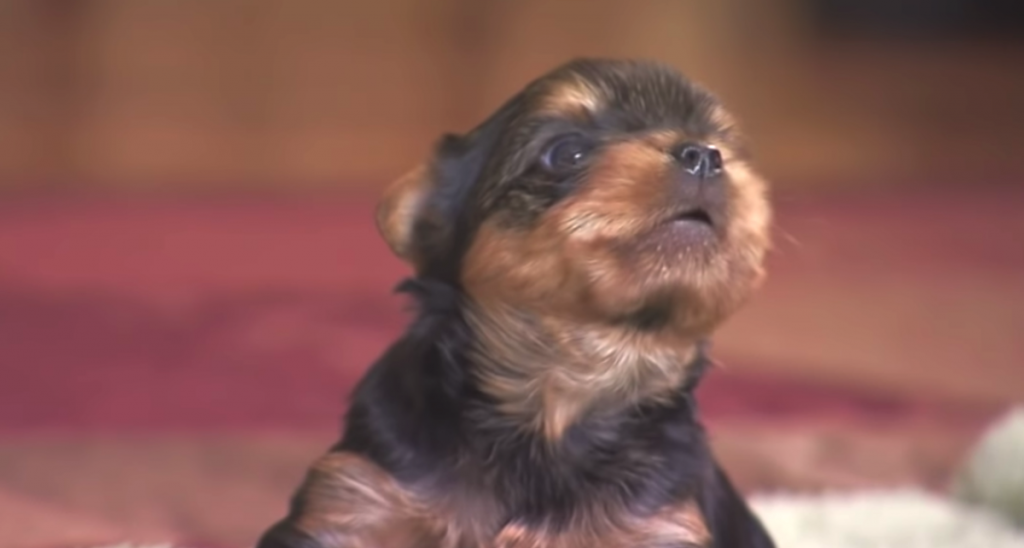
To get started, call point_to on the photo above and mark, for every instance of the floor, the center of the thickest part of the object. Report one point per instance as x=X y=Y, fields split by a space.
x=169 y=367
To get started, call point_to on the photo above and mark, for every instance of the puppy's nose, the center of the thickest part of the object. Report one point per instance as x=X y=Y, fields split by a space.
x=704 y=161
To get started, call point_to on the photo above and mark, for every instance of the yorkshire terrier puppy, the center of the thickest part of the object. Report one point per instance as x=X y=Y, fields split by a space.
x=572 y=254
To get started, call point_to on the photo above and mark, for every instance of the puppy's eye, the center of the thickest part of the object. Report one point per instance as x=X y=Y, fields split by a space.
x=566 y=154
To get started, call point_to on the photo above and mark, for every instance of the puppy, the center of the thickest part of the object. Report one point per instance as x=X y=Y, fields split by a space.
x=572 y=254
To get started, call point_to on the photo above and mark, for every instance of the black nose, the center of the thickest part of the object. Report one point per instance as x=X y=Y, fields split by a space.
x=703 y=161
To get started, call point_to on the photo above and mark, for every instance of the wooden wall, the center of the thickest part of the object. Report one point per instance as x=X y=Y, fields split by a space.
x=211 y=93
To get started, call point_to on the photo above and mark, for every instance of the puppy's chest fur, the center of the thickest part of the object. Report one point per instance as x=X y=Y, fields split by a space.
x=356 y=504
x=628 y=478
x=625 y=479
x=676 y=525
x=430 y=460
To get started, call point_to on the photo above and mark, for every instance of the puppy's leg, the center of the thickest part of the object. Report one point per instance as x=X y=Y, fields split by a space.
x=347 y=501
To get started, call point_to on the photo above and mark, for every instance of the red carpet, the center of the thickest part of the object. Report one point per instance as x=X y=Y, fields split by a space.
x=135 y=315
x=167 y=368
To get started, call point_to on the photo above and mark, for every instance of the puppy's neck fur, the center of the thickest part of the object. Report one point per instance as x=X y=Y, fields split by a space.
x=547 y=372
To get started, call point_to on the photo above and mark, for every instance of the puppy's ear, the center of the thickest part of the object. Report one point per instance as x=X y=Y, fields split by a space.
x=403 y=204
x=419 y=212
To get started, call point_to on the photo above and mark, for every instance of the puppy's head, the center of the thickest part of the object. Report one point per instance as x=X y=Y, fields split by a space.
x=606 y=192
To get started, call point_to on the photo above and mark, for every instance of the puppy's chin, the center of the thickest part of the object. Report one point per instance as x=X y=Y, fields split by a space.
x=683 y=276
x=697 y=255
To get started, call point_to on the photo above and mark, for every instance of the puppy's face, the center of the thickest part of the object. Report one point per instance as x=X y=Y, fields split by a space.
x=606 y=192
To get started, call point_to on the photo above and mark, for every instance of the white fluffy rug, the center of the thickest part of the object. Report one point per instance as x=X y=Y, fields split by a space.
x=882 y=519
x=988 y=497
x=994 y=473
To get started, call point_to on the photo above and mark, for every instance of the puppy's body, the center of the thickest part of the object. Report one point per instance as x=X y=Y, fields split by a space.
x=572 y=254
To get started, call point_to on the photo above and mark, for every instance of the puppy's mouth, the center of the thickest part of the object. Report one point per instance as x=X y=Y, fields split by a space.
x=694 y=216
x=692 y=225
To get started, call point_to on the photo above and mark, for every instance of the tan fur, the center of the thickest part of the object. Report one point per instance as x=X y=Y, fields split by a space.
x=680 y=522
x=348 y=502
x=547 y=372
x=676 y=525
x=399 y=207
x=545 y=301
x=574 y=97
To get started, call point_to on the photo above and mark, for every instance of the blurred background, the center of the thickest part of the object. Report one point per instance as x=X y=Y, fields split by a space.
x=190 y=279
